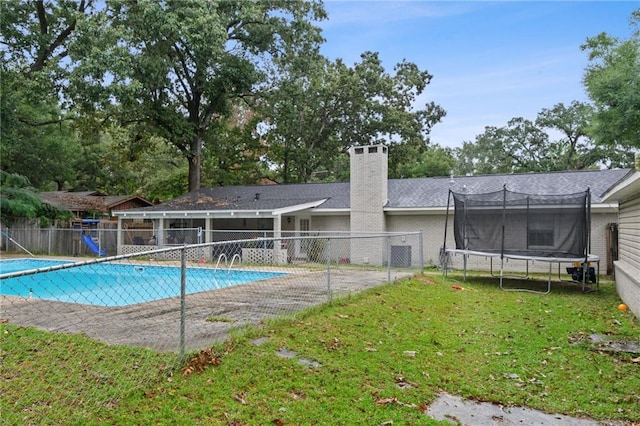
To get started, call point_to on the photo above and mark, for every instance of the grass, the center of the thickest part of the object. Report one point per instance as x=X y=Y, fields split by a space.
x=381 y=356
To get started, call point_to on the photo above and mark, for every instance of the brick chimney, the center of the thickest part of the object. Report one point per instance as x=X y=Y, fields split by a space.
x=368 y=196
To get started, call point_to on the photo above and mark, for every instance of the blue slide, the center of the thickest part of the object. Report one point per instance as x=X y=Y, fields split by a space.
x=92 y=245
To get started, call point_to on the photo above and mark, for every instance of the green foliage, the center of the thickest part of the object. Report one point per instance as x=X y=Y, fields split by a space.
x=19 y=200
x=524 y=146
x=519 y=147
x=612 y=80
x=38 y=138
x=233 y=154
x=156 y=98
x=176 y=68
x=39 y=145
x=434 y=161
x=320 y=108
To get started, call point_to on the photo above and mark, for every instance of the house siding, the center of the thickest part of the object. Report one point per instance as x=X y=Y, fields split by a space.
x=432 y=227
x=339 y=248
x=629 y=232
x=627 y=268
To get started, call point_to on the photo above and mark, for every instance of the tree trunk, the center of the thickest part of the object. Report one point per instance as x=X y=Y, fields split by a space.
x=194 y=162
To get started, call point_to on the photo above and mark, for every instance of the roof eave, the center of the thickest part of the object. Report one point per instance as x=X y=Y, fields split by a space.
x=219 y=214
x=298 y=207
x=197 y=214
x=627 y=188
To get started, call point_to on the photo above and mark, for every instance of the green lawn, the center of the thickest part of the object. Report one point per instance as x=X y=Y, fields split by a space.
x=381 y=356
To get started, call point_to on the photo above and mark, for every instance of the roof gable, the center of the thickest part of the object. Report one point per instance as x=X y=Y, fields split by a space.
x=87 y=201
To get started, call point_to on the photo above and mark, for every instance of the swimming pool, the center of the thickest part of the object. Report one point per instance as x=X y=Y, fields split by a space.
x=116 y=284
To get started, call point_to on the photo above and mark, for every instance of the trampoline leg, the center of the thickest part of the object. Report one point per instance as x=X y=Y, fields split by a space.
x=464 y=259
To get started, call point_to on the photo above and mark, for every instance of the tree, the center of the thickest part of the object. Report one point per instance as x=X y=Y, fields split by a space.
x=240 y=159
x=36 y=34
x=434 y=161
x=19 y=200
x=320 y=108
x=519 y=147
x=572 y=122
x=38 y=137
x=612 y=80
x=176 y=68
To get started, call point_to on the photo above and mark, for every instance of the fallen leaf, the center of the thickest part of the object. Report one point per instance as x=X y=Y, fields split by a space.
x=334 y=345
x=393 y=400
x=385 y=401
x=297 y=395
x=240 y=398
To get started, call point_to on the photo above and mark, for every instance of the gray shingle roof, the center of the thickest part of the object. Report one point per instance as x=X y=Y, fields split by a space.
x=403 y=193
x=269 y=197
x=88 y=200
x=433 y=192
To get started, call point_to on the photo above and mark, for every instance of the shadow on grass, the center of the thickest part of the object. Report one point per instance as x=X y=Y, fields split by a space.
x=535 y=283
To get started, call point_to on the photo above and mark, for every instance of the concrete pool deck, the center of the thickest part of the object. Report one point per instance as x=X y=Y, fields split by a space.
x=210 y=315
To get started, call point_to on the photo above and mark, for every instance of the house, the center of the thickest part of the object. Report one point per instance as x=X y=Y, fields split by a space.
x=369 y=202
x=627 y=266
x=91 y=204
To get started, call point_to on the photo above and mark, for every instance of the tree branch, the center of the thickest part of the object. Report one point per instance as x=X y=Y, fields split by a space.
x=43 y=123
x=42 y=17
x=45 y=53
x=186 y=71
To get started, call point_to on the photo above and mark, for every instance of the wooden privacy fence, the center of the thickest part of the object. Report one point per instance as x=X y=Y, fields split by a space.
x=59 y=239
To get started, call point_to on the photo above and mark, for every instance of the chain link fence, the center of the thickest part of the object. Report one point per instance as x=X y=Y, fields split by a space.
x=156 y=306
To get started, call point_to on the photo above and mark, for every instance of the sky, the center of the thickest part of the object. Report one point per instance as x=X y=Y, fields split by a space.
x=490 y=61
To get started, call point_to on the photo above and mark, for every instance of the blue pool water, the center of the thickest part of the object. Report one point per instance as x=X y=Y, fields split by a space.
x=110 y=284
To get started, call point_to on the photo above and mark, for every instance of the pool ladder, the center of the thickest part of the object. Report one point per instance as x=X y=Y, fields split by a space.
x=224 y=256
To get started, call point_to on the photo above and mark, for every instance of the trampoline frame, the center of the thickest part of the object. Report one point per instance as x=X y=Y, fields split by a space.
x=584 y=260
x=550 y=260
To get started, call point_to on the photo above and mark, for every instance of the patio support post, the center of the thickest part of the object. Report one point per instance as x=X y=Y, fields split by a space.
x=277 y=243
x=119 y=235
x=160 y=233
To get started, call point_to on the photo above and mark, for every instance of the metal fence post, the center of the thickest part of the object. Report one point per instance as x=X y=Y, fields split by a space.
x=421 y=250
x=389 y=259
x=183 y=291
x=328 y=270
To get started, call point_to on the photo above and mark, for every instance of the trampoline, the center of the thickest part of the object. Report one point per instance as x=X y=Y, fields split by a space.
x=503 y=225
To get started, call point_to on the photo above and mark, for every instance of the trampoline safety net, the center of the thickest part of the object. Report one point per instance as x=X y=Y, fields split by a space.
x=511 y=223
